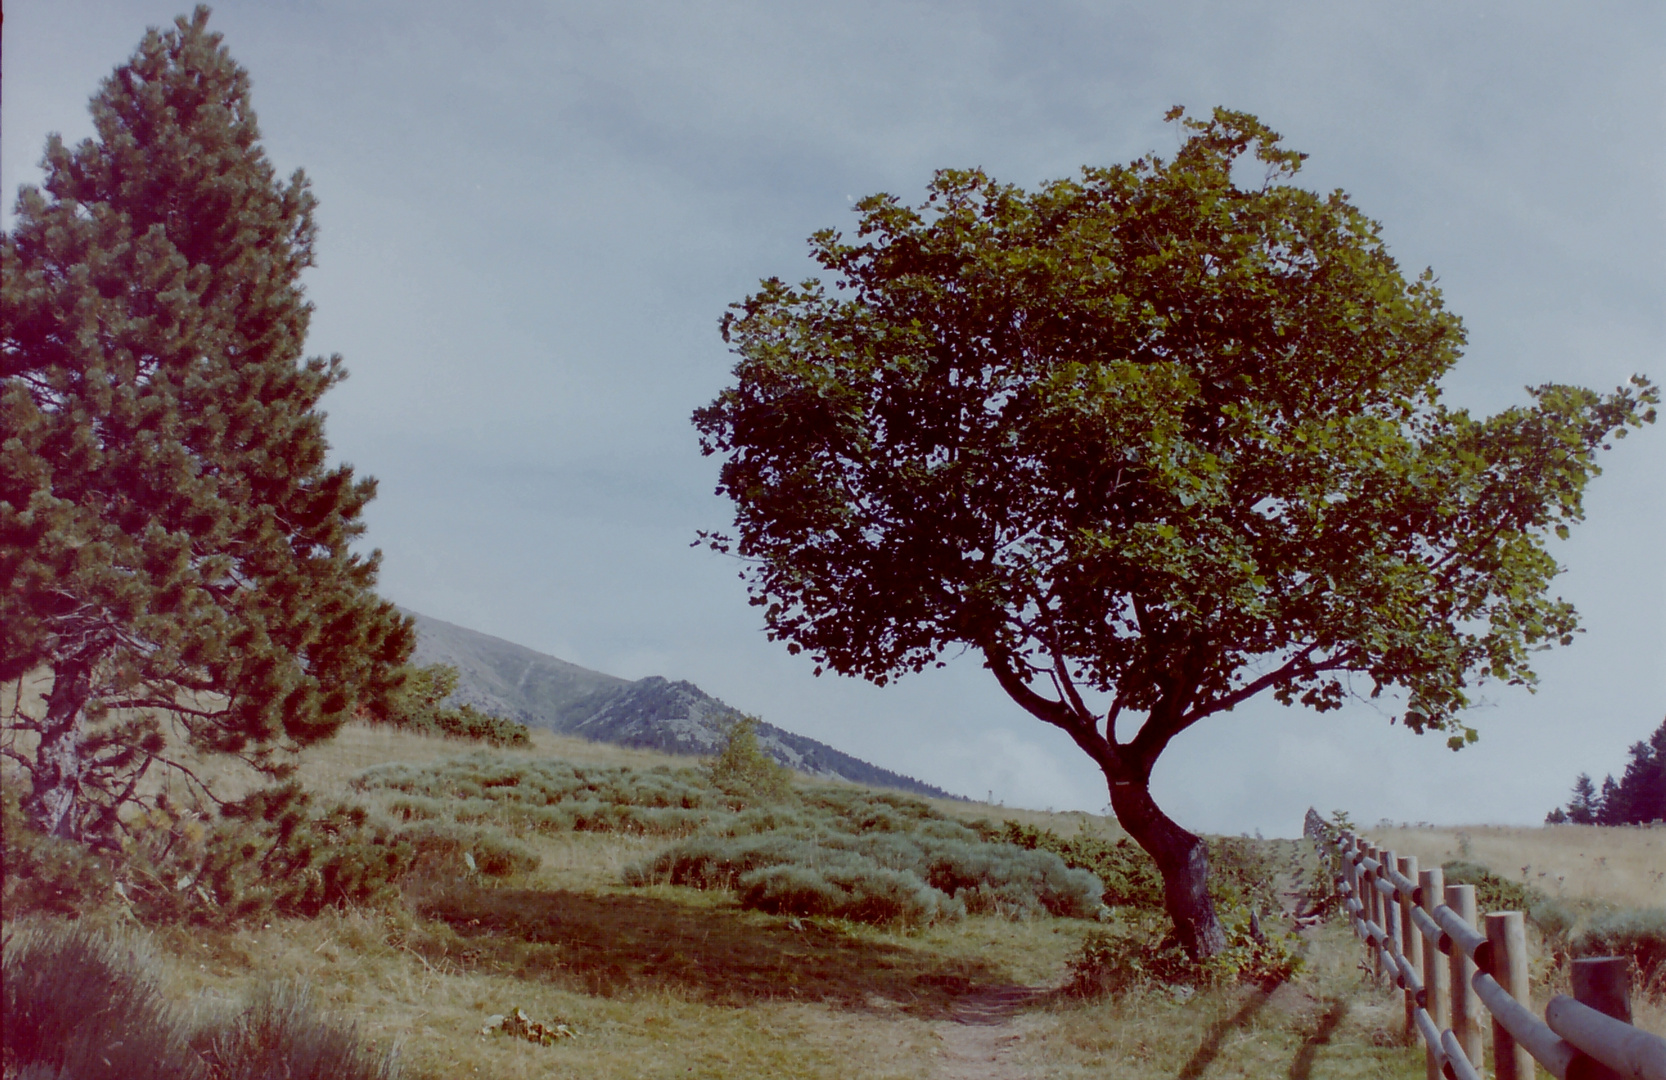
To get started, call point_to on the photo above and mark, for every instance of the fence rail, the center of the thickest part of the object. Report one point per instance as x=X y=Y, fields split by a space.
x=1422 y=935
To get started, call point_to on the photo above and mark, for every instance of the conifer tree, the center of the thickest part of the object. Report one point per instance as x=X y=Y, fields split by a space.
x=173 y=543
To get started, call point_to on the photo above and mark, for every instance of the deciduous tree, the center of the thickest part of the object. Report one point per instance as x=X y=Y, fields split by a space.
x=173 y=542
x=1152 y=441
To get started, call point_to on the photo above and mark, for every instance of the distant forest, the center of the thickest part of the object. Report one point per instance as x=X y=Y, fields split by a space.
x=1637 y=798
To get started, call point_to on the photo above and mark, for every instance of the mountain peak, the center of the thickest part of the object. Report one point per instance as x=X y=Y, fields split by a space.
x=506 y=679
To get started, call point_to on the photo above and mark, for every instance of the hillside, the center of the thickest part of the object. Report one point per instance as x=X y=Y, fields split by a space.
x=501 y=677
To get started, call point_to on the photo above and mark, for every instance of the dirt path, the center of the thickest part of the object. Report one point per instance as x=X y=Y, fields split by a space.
x=982 y=1032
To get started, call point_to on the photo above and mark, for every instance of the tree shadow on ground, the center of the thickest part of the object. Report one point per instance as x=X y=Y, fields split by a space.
x=1302 y=1067
x=608 y=944
x=1210 y=1048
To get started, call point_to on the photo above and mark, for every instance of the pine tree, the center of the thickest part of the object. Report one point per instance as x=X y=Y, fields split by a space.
x=173 y=542
x=1585 y=806
x=1640 y=795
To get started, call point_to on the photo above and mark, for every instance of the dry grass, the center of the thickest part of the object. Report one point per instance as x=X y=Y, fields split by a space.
x=1625 y=867
x=670 y=982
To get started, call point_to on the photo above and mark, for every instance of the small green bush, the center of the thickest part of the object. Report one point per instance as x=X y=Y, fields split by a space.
x=1639 y=934
x=78 y=1005
x=742 y=768
x=1492 y=892
x=282 y=1034
x=443 y=849
x=961 y=872
x=271 y=853
x=848 y=890
x=1129 y=876
x=1142 y=953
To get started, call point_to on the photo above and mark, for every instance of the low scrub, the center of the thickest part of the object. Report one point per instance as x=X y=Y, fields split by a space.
x=270 y=854
x=1141 y=953
x=1241 y=872
x=551 y=797
x=885 y=876
x=1638 y=934
x=283 y=1034
x=79 y=1005
x=1492 y=892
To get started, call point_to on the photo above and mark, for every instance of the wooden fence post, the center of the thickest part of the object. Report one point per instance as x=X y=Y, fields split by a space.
x=1431 y=887
x=1604 y=984
x=1466 y=1007
x=1507 y=930
x=1411 y=938
x=1373 y=911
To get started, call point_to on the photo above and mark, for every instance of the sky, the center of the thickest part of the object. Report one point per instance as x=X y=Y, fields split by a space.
x=533 y=215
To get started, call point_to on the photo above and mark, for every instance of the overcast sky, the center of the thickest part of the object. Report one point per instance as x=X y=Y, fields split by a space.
x=533 y=216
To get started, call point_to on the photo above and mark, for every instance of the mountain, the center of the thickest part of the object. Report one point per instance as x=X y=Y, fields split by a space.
x=506 y=679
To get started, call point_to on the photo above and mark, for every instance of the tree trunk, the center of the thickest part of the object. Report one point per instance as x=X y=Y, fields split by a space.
x=1183 y=860
x=58 y=765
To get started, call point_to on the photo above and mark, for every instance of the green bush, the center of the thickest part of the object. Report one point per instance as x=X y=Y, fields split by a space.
x=78 y=1005
x=282 y=1035
x=1492 y=892
x=550 y=797
x=960 y=871
x=1141 y=953
x=44 y=873
x=271 y=853
x=1639 y=934
x=742 y=768
x=1129 y=876
x=443 y=849
x=416 y=706
x=853 y=890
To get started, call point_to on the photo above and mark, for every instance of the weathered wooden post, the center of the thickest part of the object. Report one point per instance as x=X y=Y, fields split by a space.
x=1507 y=931
x=1411 y=938
x=1373 y=910
x=1604 y=984
x=1437 y=997
x=1466 y=1007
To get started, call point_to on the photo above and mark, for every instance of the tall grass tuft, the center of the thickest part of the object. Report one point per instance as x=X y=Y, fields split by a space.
x=282 y=1034
x=77 y=1004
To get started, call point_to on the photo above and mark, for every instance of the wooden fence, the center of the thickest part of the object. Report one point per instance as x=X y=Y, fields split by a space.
x=1423 y=935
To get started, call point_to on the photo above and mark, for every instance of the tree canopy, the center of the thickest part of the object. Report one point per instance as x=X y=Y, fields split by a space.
x=1153 y=441
x=173 y=541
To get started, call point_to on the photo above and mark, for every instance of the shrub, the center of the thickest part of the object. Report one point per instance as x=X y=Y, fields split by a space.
x=416 y=706
x=443 y=849
x=1143 y=954
x=281 y=1034
x=847 y=890
x=742 y=768
x=44 y=873
x=1639 y=934
x=1127 y=873
x=550 y=796
x=963 y=874
x=78 y=1005
x=270 y=854
x=1492 y=893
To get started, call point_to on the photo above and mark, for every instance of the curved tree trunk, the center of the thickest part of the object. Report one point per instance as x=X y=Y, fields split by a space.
x=1183 y=860
x=58 y=765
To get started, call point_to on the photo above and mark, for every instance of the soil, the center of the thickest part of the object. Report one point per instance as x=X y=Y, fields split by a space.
x=983 y=1031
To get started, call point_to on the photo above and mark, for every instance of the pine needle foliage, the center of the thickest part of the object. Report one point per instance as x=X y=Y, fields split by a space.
x=173 y=541
x=419 y=705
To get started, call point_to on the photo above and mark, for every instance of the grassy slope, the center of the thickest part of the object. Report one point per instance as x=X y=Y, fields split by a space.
x=665 y=981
